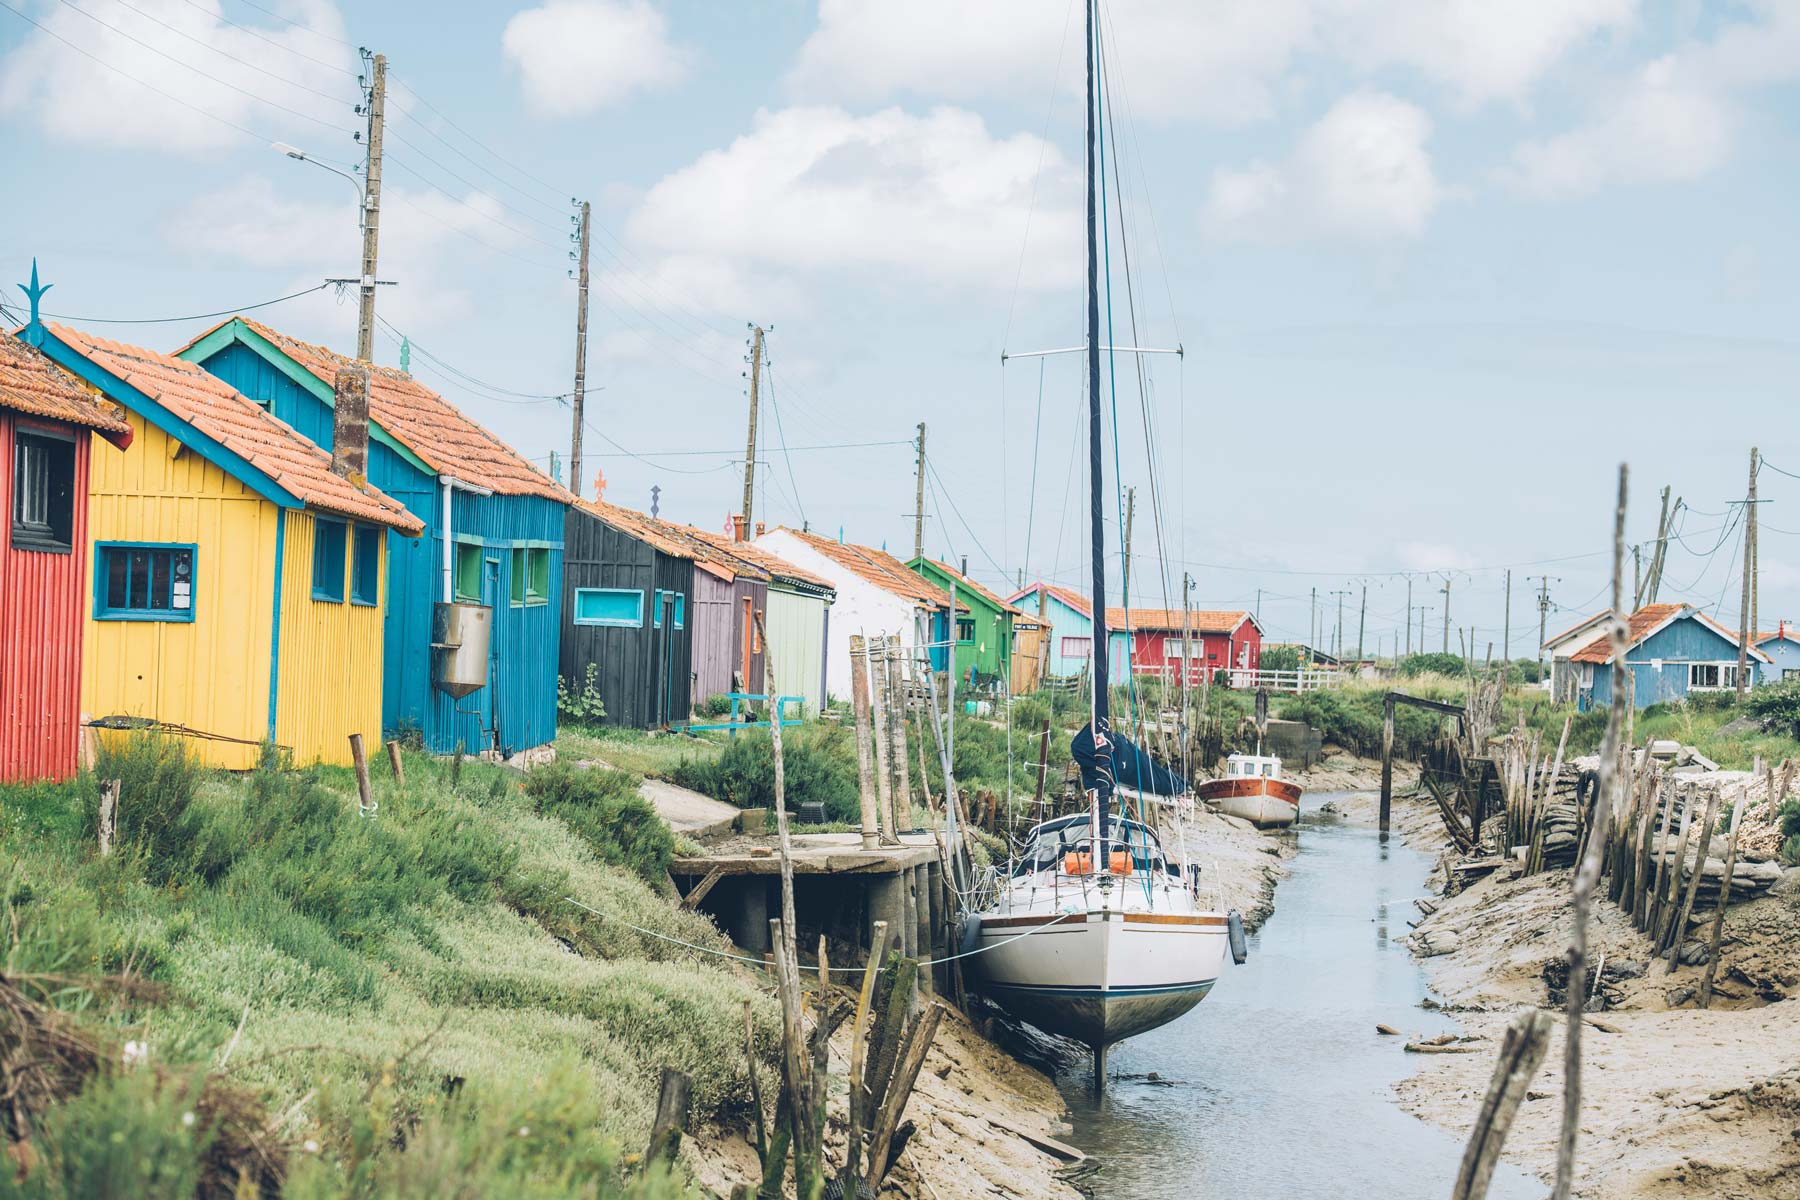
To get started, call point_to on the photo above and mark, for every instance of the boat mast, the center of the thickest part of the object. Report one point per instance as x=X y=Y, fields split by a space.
x=1096 y=472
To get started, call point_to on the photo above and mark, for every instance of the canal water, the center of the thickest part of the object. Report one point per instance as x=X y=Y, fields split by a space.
x=1277 y=1087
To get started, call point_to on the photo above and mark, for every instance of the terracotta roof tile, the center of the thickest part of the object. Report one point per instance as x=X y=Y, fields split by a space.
x=242 y=426
x=31 y=383
x=429 y=425
x=1073 y=599
x=1583 y=626
x=748 y=552
x=963 y=581
x=879 y=568
x=1164 y=619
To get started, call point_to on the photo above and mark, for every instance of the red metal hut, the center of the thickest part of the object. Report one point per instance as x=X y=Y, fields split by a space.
x=47 y=419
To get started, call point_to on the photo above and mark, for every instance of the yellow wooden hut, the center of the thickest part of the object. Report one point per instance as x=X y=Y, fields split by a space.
x=239 y=571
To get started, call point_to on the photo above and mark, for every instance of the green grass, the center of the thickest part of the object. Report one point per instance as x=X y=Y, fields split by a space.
x=370 y=961
x=652 y=755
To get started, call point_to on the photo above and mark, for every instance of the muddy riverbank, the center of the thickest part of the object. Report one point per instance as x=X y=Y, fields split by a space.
x=1676 y=1101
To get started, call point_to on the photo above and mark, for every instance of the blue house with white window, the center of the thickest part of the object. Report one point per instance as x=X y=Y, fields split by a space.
x=1673 y=651
x=1071 y=622
x=1783 y=649
x=493 y=536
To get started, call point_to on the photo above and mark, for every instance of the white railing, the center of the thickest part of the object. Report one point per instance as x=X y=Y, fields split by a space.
x=1314 y=680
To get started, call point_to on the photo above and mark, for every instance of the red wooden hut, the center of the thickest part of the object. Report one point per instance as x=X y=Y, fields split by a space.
x=47 y=419
x=1216 y=640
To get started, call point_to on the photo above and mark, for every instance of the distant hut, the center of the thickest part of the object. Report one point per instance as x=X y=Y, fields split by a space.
x=1673 y=651
x=1071 y=616
x=493 y=538
x=239 y=574
x=1783 y=648
x=47 y=422
x=1206 y=640
x=984 y=635
x=1031 y=645
x=798 y=620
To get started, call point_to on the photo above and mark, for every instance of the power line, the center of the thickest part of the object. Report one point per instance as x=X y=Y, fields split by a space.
x=781 y=433
x=205 y=45
x=264 y=38
x=468 y=379
x=228 y=312
x=951 y=500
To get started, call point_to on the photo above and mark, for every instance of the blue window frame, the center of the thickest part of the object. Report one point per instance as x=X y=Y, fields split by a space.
x=619 y=607
x=144 y=581
x=656 y=614
x=328 y=560
x=365 y=566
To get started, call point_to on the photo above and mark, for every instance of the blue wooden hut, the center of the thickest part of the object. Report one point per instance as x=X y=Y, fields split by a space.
x=493 y=536
x=1673 y=651
x=1070 y=616
x=1783 y=649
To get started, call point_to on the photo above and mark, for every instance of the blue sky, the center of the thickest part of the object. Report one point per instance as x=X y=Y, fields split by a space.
x=1437 y=268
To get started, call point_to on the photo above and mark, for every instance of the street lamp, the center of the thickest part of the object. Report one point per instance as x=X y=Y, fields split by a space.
x=299 y=155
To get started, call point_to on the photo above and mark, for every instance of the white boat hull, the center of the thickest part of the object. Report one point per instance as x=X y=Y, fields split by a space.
x=1101 y=976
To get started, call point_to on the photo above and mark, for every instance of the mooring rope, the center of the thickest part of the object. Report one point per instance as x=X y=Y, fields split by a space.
x=839 y=970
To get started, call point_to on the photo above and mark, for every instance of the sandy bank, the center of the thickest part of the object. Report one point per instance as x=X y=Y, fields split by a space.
x=1676 y=1101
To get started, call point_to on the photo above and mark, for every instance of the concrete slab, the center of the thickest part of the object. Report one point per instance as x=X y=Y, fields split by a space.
x=688 y=812
x=814 y=854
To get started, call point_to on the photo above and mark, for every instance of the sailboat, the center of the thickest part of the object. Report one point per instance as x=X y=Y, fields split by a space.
x=1096 y=932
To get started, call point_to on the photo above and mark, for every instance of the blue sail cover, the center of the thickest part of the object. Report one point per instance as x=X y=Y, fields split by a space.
x=1132 y=767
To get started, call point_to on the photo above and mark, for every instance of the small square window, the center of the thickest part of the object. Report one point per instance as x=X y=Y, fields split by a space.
x=530 y=575
x=43 y=510
x=676 y=602
x=328 y=560
x=466 y=584
x=135 y=581
x=365 y=567
x=965 y=629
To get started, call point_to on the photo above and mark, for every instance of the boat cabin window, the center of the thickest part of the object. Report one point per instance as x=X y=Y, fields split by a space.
x=1051 y=846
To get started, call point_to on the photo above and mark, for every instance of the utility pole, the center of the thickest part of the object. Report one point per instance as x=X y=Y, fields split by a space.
x=1337 y=638
x=1409 y=614
x=365 y=315
x=756 y=346
x=1506 y=635
x=919 y=506
x=1654 y=583
x=1312 y=630
x=1448 y=579
x=1362 y=621
x=1259 y=606
x=1424 y=611
x=1746 y=616
x=1130 y=515
x=1543 y=603
x=581 y=311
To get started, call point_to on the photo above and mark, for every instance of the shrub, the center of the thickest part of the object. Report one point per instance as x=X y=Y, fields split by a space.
x=1435 y=663
x=605 y=809
x=716 y=706
x=1280 y=658
x=818 y=762
x=157 y=781
x=580 y=704
x=136 y=1134
x=1777 y=706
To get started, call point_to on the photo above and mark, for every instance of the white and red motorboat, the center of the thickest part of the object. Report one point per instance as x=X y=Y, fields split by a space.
x=1253 y=790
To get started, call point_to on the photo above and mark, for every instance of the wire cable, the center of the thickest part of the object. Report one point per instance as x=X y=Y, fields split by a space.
x=227 y=312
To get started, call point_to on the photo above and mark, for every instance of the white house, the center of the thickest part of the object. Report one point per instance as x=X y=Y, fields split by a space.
x=876 y=597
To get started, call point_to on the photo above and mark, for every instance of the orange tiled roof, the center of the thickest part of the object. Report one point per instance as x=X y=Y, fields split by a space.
x=662 y=535
x=428 y=425
x=963 y=581
x=1164 y=619
x=756 y=556
x=1073 y=599
x=879 y=568
x=1581 y=626
x=242 y=426
x=31 y=383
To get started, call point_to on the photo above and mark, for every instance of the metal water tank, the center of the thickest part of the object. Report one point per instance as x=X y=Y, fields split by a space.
x=459 y=647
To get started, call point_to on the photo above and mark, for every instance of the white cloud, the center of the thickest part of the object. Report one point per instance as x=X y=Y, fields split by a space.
x=1672 y=120
x=578 y=56
x=1215 y=61
x=255 y=222
x=72 y=95
x=933 y=197
x=1361 y=171
x=697 y=284
x=1480 y=49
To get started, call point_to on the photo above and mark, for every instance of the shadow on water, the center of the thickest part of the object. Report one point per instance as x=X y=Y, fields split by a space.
x=1277 y=1085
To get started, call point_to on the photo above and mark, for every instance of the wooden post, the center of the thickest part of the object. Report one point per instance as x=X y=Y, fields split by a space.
x=756 y=1100
x=1655 y=808
x=865 y=767
x=1522 y=1051
x=897 y=702
x=109 y=816
x=671 y=1116
x=918 y=1043
x=393 y=749
x=1387 y=763
x=1718 y=925
x=1678 y=927
x=361 y=762
x=1587 y=873
x=859 y=1051
x=1037 y=804
x=1668 y=870
x=878 y=721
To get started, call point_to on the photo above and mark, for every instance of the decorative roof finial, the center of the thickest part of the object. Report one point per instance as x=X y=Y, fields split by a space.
x=655 y=498
x=406 y=356
x=34 y=328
